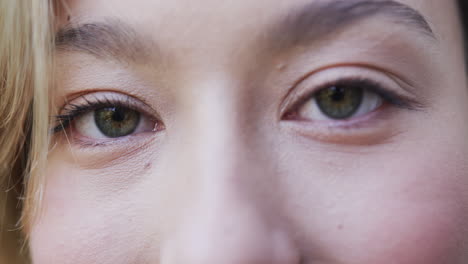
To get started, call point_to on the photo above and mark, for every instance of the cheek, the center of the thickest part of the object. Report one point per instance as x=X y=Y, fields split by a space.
x=424 y=235
x=433 y=208
x=417 y=215
x=78 y=225
x=411 y=228
x=383 y=207
x=81 y=241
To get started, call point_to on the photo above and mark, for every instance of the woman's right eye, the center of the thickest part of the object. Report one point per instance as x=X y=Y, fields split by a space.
x=112 y=122
x=103 y=116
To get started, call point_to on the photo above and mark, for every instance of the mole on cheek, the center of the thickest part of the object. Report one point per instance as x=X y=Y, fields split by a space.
x=281 y=66
x=148 y=166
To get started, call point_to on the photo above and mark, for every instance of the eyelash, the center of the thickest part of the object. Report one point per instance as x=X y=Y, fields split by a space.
x=389 y=96
x=73 y=111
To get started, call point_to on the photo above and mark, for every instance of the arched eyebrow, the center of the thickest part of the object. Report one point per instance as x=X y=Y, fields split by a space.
x=320 y=18
x=116 y=40
x=111 y=39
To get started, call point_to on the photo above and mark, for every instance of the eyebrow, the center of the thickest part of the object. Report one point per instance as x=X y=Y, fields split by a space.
x=110 y=39
x=116 y=40
x=319 y=18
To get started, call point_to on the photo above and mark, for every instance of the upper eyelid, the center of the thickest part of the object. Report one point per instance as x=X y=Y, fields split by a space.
x=110 y=97
x=298 y=93
x=407 y=84
x=369 y=84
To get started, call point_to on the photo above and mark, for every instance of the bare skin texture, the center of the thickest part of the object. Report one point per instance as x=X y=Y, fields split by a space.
x=227 y=167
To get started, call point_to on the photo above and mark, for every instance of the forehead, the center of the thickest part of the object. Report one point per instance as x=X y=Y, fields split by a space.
x=220 y=25
x=195 y=18
x=224 y=27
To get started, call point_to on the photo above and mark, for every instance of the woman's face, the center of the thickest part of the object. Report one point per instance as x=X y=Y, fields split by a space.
x=249 y=132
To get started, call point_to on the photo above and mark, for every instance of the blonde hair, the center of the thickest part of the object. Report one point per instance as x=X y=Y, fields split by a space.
x=25 y=61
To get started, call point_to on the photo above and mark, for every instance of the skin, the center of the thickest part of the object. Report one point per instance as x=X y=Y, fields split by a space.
x=227 y=178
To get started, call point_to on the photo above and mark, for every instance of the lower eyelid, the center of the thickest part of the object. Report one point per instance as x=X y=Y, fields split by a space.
x=376 y=127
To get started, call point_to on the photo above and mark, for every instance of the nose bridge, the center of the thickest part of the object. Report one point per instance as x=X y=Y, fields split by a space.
x=216 y=157
x=215 y=139
x=227 y=220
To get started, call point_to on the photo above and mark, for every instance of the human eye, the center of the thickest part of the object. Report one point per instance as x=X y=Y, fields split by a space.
x=106 y=117
x=346 y=102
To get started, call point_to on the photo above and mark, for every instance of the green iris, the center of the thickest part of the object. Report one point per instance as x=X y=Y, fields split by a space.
x=339 y=102
x=116 y=122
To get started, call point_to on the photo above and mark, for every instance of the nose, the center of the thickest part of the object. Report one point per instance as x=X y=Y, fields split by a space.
x=229 y=234
x=232 y=218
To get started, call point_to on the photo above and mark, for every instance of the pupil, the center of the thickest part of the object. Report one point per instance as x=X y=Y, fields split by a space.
x=337 y=94
x=118 y=115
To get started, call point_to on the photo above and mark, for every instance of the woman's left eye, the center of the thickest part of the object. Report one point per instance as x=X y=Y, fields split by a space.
x=340 y=102
x=112 y=122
